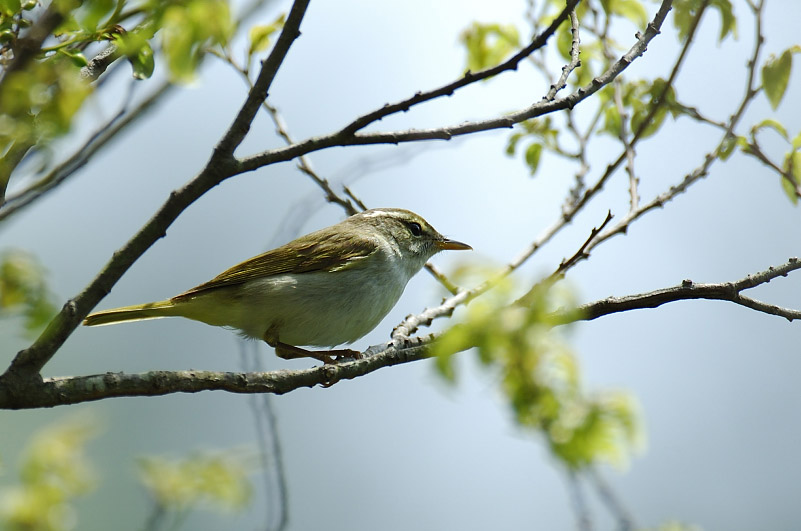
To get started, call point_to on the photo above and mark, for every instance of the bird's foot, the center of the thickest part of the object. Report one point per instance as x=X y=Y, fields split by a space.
x=328 y=357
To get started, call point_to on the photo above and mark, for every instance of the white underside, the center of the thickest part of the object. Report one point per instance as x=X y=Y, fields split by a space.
x=309 y=309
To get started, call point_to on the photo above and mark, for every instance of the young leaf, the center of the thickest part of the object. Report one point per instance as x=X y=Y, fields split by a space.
x=143 y=62
x=728 y=22
x=770 y=124
x=533 y=153
x=789 y=190
x=792 y=177
x=775 y=76
x=488 y=44
x=728 y=147
x=796 y=141
x=259 y=36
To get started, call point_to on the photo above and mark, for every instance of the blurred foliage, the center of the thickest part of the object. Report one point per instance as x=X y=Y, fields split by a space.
x=685 y=11
x=259 y=36
x=541 y=378
x=42 y=90
x=54 y=471
x=176 y=486
x=489 y=44
x=23 y=290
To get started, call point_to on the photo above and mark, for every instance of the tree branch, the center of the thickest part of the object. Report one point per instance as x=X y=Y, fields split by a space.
x=269 y=68
x=468 y=78
x=27 y=393
x=688 y=290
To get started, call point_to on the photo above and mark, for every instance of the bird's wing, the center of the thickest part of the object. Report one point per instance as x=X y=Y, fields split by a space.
x=314 y=252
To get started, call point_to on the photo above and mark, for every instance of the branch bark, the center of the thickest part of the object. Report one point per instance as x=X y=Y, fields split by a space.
x=37 y=393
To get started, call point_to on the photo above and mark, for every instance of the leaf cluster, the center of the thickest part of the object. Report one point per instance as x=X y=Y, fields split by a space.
x=42 y=89
x=23 y=290
x=541 y=380
x=54 y=471
x=177 y=485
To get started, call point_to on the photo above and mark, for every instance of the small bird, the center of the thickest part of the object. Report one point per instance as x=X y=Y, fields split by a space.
x=327 y=288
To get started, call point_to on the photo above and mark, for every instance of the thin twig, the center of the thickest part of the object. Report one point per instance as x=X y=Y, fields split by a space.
x=468 y=78
x=625 y=522
x=574 y=58
x=710 y=158
x=579 y=501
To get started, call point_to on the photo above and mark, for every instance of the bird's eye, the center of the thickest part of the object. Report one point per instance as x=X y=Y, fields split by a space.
x=415 y=229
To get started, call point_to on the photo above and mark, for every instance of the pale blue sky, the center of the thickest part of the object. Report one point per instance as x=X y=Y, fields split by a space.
x=398 y=449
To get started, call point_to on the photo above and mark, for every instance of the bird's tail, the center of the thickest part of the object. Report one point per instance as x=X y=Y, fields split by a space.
x=140 y=312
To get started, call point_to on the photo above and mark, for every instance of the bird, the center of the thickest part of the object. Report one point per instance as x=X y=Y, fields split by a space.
x=324 y=289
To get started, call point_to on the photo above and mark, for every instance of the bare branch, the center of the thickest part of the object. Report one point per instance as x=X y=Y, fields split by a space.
x=574 y=59
x=623 y=516
x=345 y=138
x=25 y=393
x=269 y=68
x=688 y=290
x=469 y=77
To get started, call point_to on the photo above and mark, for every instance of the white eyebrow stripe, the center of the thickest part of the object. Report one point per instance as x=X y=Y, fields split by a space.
x=379 y=212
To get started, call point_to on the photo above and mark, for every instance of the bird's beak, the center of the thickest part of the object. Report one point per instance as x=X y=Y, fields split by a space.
x=453 y=245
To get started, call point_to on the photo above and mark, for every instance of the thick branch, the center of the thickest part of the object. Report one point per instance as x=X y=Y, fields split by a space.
x=27 y=394
x=37 y=393
x=269 y=68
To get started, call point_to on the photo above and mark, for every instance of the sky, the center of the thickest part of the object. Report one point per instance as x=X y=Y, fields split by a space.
x=399 y=448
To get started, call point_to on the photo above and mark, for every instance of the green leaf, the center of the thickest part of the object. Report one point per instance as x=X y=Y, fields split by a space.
x=77 y=58
x=630 y=9
x=533 y=153
x=488 y=44
x=511 y=144
x=94 y=12
x=10 y=7
x=728 y=22
x=23 y=290
x=188 y=29
x=143 y=62
x=53 y=472
x=789 y=190
x=797 y=141
x=178 y=485
x=259 y=36
x=792 y=168
x=775 y=76
x=770 y=124
x=684 y=12
x=727 y=148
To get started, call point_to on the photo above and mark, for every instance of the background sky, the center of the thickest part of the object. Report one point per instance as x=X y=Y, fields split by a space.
x=399 y=449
